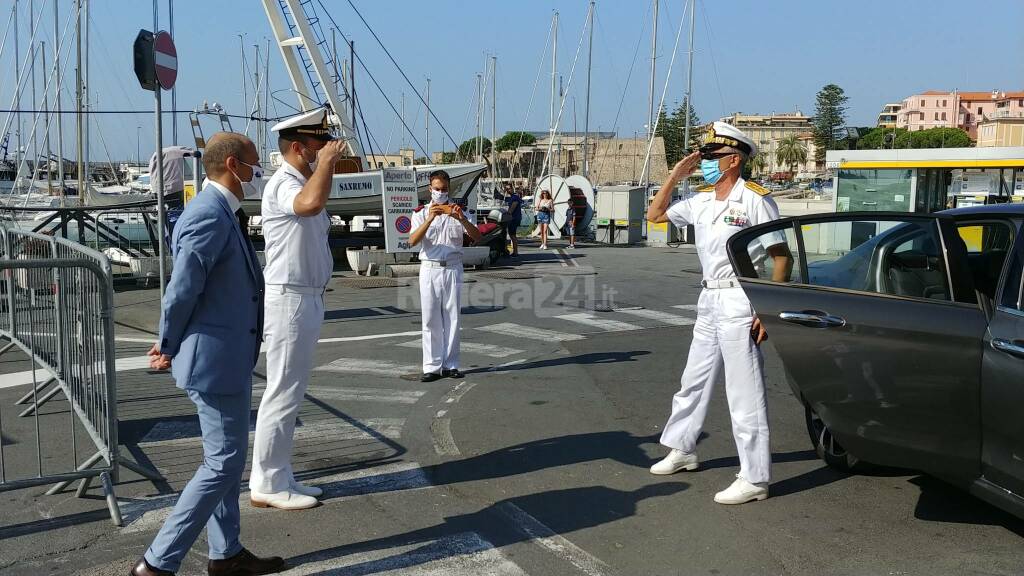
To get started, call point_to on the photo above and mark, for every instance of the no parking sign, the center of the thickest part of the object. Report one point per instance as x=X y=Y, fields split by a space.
x=400 y=201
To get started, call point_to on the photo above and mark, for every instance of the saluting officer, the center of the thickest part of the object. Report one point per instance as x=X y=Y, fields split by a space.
x=299 y=265
x=727 y=332
x=439 y=228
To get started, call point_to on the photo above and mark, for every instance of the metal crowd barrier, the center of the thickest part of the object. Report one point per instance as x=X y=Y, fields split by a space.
x=56 y=305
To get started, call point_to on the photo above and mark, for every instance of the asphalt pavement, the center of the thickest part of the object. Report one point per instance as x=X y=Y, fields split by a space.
x=535 y=463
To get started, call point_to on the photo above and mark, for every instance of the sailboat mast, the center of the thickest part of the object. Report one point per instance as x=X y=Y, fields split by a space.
x=479 y=99
x=426 y=135
x=32 y=74
x=586 y=113
x=494 y=121
x=654 y=59
x=689 y=83
x=46 y=135
x=56 y=99
x=80 y=171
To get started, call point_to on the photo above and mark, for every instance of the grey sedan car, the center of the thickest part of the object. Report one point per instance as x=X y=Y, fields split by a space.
x=903 y=336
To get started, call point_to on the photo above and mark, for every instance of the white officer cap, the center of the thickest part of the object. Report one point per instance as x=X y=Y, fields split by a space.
x=312 y=124
x=720 y=134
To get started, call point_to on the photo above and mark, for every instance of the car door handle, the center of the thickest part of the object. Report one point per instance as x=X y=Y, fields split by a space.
x=813 y=319
x=1009 y=347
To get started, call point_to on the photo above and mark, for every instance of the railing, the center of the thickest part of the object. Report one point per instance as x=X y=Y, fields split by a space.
x=56 y=306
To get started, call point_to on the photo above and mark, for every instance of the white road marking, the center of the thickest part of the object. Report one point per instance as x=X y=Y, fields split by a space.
x=367 y=395
x=463 y=554
x=181 y=434
x=441 y=435
x=547 y=538
x=369 y=337
x=473 y=348
x=658 y=315
x=147 y=514
x=373 y=367
x=686 y=307
x=605 y=324
x=13 y=379
x=383 y=311
x=529 y=332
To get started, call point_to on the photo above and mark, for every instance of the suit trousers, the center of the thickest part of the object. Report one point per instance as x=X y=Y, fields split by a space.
x=292 y=327
x=721 y=336
x=210 y=498
x=440 y=289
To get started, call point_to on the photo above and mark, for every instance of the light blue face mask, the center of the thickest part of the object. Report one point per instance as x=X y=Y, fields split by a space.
x=710 y=170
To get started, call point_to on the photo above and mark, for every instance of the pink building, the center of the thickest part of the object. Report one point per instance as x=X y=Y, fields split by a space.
x=937 y=109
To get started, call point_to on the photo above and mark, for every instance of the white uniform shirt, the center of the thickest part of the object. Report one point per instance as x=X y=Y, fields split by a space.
x=233 y=202
x=715 y=222
x=443 y=240
x=297 y=250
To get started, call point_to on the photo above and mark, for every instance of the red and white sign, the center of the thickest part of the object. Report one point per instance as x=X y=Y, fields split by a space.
x=165 y=57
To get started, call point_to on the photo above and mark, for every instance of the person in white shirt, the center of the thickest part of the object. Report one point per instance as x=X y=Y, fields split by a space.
x=299 y=265
x=727 y=332
x=438 y=228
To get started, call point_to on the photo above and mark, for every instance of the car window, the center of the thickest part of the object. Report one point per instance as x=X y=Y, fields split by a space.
x=987 y=244
x=880 y=256
x=1013 y=287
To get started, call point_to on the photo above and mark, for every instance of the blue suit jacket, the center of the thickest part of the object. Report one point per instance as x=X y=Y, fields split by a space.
x=212 y=318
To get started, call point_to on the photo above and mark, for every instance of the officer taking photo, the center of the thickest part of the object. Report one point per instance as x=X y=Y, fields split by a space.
x=438 y=229
x=727 y=333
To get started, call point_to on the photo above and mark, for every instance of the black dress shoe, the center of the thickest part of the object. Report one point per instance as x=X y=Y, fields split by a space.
x=455 y=373
x=142 y=568
x=245 y=563
x=430 y=377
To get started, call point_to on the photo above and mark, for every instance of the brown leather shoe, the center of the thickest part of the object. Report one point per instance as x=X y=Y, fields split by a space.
x=142 y=568
x=245 y=563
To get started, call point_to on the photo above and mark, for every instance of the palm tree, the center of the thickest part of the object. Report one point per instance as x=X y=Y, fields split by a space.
x=790 y=152
x=758 y=164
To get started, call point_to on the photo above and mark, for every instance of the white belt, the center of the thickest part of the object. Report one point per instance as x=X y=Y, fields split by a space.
x=722 y=283
x=441 y=263
x=285 y=288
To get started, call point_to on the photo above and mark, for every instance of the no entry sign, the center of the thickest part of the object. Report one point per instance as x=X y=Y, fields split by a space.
x=165 y=59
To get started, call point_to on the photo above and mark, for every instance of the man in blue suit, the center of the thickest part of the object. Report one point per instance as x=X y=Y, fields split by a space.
x=210 y=334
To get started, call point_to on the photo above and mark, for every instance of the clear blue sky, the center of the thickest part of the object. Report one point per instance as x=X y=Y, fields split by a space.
x=750 y=56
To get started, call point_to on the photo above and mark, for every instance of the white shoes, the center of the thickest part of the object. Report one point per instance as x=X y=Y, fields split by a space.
x=305 y=490
x=287 y=500
x=543 y=246
x=571 y=246
x=741 y=492
x=675 y=461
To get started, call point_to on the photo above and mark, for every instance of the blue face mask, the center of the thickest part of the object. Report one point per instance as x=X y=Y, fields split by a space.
x=710 y=170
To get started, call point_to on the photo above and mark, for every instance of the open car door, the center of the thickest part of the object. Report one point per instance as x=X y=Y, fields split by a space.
x=875 y=318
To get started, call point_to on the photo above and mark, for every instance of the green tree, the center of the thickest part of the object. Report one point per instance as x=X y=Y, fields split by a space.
x=885 y=138
x=790 y=152
x=679 y=119
x=448 y=158
x=758 y=164
x=468 y=148
x=513 y=140
x=671 y=136
x=829 y=114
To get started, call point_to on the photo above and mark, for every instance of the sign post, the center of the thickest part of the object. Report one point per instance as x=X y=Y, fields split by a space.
x=400 y=202
x=156 y=67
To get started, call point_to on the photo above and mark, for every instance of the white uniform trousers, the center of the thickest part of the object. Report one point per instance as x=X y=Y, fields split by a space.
x=440 y=288
x=291 y=330
x=722 y=332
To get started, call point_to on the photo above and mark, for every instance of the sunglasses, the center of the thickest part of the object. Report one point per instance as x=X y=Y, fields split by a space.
x=715 y=155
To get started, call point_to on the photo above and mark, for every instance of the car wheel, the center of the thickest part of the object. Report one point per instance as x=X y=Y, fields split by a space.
x=826 y=445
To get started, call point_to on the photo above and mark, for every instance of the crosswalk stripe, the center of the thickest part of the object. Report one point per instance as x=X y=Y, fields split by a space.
x=149 y=513
x=686 y=307
x=473 y=348
x=367 y=395
x=529 y=332
x=606 y=324
x=364 y=366
x=549 y=539
x=330 y=431
x=658 y=315
x=461 y=554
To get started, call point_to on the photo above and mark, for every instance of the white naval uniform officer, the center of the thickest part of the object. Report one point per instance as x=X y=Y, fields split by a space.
x=726 y=333
x=438 y=227
x=299 y=265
